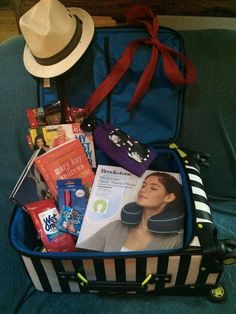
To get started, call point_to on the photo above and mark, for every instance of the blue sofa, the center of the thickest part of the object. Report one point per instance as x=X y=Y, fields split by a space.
x=208 y=126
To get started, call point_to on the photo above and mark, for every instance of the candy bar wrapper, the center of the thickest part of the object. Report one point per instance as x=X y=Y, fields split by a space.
x=72 y=205
x=45 y=215
x=46 y=115
x=123 y=149
x=74 y=114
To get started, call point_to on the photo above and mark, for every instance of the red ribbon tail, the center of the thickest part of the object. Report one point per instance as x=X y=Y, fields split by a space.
x=172 y=70
x=144 y=80
x=112 y=79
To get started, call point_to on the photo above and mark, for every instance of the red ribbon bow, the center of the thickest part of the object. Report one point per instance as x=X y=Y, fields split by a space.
x=142 y=15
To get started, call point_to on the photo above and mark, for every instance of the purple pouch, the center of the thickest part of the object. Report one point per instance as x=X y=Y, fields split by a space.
x=123 y=149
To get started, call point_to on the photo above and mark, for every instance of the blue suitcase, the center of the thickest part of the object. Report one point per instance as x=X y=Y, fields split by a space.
x=156 y=121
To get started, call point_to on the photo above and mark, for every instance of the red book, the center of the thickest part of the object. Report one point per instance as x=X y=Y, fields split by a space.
x=63 y=162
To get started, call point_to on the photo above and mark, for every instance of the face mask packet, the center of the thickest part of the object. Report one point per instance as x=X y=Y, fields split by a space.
x=72 y=204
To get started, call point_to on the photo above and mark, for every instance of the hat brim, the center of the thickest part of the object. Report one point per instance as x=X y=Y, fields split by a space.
x=47 y=71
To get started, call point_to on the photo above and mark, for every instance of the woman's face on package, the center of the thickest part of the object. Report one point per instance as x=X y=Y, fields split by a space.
x=40 y=143
x=60 y=131
x=153 y=194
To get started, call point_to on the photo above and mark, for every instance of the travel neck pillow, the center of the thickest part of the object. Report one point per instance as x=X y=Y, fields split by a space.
x=169 y=221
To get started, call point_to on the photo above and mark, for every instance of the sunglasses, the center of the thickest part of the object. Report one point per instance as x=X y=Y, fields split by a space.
x=136 y=150
x=89 y=124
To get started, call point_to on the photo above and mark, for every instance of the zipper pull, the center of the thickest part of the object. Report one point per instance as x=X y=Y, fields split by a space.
x=181 y=152
x=196 y=159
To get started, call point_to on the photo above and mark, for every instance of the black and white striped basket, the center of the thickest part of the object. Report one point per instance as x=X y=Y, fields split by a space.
x=78 y=272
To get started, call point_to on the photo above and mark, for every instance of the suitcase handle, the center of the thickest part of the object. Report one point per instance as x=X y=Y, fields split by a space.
x=122 y=287
x=114 y=286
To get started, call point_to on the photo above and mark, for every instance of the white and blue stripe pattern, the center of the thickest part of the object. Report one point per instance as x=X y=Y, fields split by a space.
x=203 y=212
x=183 y=271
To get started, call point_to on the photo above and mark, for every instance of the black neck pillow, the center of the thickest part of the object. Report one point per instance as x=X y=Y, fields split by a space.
x=169 y=221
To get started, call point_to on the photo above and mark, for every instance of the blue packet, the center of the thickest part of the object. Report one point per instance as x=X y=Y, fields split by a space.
x=71 y=204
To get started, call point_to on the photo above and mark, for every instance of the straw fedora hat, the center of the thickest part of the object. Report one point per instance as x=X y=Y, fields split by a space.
x=56 y=37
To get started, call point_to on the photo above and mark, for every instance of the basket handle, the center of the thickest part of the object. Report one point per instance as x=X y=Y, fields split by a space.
x=114 y=286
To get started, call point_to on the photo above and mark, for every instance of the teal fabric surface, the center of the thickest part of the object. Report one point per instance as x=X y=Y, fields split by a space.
x=208 y=125
x=17 y=90
x=210 y=111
